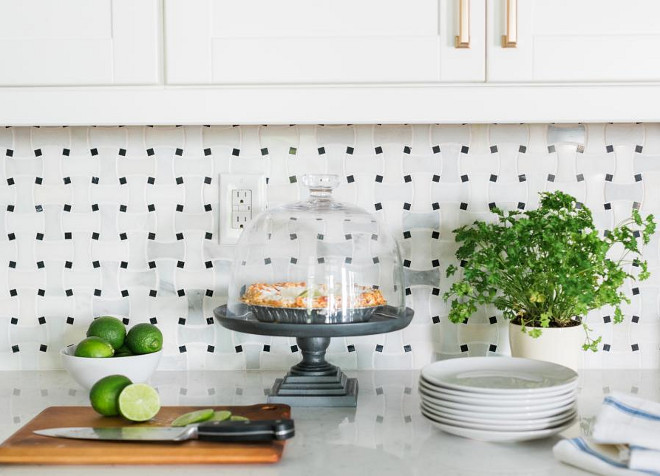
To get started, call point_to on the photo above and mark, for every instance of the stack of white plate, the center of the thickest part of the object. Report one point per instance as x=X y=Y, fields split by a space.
x=499 y=398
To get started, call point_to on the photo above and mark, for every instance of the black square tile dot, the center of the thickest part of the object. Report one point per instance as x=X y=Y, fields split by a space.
x=407 y=178
x=209 y=293
x=435 y=206
x=463 y=206
x=210 y=349
x=436 y=149
x=179 y=208
x=236 y=152
x=37 y=152
x=435 y=319
x=321 y=150
x=406 y=234
x=178 y=152
x=264 y=151
x=522 y=149
x=465 y=178
x=207 y=151
x=350 y=150
x=70 y=320
x=379 y=178
x=521 y=205
x=635 y=319
x=378 y=206
x=492 y=319
x=350 y=179
x=609 y=177
x=551 y=149
x=350 y=347
x=609 y=148
x=492 y=348
x=407 y=150
x=407 y=206
x=150 y=152
x=638 y=177
x=639 y=149
x=634 y=347
x=493 y=178
x=436 y=178
x=378 y=150
x=465 y=149
x=464 y=348
x=493 y=149
x=607 y=319
x=379 y=347
x=551 y=178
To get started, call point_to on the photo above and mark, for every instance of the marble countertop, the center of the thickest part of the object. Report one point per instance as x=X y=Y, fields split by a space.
x=385 y=435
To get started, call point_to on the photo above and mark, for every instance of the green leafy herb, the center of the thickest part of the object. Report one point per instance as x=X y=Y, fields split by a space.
x=547 y=267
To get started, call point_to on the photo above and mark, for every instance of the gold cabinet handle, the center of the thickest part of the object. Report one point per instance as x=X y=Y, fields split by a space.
x=510 y=39
x=463 y=38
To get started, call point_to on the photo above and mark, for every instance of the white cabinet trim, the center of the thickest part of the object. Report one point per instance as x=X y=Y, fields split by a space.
x=368 y=104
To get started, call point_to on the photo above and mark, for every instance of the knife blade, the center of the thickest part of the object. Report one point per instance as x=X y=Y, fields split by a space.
x=228 y=431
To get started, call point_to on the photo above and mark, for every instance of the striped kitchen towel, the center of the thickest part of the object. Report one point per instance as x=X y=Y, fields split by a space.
x=625 y=440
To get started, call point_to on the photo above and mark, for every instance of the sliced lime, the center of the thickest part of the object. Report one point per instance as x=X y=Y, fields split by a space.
x=139 y=402
x=221 y=415
x=193 y=417
x=238 y=418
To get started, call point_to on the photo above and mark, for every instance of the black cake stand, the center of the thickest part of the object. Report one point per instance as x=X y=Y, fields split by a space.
x=314 y=382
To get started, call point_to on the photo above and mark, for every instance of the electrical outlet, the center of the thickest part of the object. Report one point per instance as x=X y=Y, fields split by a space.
x=242 y=197
x=241 y=208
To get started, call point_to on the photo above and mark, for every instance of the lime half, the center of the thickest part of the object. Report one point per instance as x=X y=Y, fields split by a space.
x=221 y=415
x=193 y=417
x=139 y=402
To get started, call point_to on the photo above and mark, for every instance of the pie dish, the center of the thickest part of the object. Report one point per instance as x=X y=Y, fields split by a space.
x=302 y=303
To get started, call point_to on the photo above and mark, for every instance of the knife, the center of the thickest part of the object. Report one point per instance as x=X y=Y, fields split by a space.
x=229 y=431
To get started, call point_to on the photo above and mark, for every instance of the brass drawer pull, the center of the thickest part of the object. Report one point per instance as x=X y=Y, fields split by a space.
x=510 y=39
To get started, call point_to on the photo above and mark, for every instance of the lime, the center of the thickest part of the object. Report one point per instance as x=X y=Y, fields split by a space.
x=144 y=338
x=139 y=402
x=105 y=393
x=94 y=347
x=108 y=328
x=221 y=415
x=238 y=418
x=123 y=351
x=193 y=417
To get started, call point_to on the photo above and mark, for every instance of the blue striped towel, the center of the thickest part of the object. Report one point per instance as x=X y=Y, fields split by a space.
x=625 y=440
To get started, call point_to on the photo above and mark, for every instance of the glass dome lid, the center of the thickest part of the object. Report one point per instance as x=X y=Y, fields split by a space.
x=316 y=261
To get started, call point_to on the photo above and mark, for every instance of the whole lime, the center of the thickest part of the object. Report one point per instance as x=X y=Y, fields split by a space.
x=109 y=328
x=144 y=339
x=94 y=347
x=104 y=394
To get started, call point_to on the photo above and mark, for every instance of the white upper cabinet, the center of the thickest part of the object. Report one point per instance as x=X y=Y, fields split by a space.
x=79 y=42
x=575 y=41
x=321 y=41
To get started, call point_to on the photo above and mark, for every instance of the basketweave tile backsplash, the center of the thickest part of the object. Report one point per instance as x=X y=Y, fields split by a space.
x=124 y=221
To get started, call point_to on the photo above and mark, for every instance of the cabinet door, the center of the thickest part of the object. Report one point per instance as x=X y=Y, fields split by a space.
x=79 y=42
x=576 y=40
x=320 y=41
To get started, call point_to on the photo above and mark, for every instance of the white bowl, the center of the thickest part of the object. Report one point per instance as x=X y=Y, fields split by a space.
x=87 y=370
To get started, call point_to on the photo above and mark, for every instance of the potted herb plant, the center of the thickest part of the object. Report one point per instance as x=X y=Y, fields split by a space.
x=545 y=269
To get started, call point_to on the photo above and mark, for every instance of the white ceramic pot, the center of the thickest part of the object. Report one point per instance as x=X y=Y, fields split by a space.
x=561 y=345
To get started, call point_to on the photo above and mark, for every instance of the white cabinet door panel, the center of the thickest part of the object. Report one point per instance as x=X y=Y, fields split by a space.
x=575 y=41
x=325 y=41
x=79 y=42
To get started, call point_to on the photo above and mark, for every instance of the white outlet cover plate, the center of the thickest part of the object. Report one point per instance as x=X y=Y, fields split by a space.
x=256 y=183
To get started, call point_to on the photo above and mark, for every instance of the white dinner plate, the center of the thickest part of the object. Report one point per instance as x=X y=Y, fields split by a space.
x=499 y=375
x=499 y=425
x=487 y=400
x=539 y=394
x=485 y=407
x=522 y=415
x=499 y=436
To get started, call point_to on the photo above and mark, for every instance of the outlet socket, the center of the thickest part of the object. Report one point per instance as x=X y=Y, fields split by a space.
x=242 y=197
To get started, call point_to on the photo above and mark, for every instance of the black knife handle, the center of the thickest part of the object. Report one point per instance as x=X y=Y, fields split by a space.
x=257 y=430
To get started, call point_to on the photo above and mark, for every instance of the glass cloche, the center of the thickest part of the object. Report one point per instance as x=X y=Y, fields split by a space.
x=316 y=261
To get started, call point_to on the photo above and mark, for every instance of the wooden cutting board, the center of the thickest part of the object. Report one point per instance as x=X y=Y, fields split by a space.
x=24 y=447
